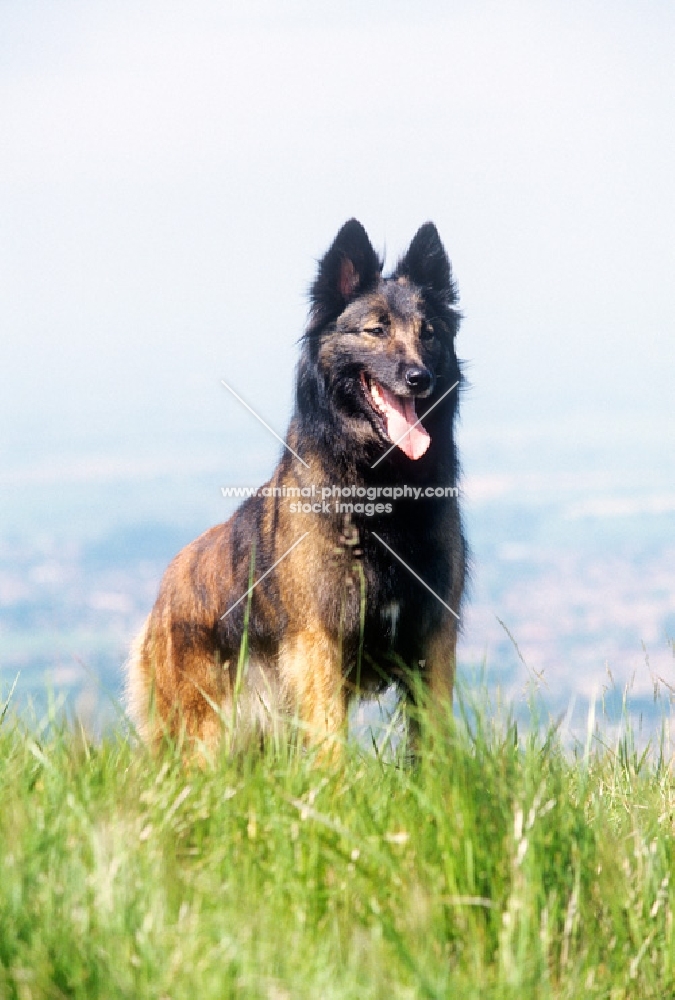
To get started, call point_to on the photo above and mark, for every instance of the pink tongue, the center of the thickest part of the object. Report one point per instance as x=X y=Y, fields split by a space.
x=400 y=415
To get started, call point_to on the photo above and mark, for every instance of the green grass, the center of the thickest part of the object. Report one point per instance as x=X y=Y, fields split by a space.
x=500 y=865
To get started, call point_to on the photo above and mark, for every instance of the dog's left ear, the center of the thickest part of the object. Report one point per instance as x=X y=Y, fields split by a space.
x=349 y=267
x=426 y=264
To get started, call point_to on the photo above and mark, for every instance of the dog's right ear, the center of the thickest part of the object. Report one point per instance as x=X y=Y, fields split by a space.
x=350 y=267
x=426 y=264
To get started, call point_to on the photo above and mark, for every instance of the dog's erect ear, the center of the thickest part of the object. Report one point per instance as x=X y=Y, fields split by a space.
x=350 y=266
x=426 y=264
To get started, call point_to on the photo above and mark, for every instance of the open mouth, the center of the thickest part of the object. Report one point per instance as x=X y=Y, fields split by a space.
x=396 y=418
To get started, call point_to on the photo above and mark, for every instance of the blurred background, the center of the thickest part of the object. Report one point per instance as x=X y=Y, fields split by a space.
x=169 y=175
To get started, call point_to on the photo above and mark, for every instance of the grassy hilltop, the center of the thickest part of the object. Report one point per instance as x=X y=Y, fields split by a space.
x=500 y=865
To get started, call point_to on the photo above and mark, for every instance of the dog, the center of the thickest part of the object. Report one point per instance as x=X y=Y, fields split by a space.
x=292 y=608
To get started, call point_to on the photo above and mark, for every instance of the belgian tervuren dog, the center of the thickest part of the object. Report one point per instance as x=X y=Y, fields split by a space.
x=345 y=572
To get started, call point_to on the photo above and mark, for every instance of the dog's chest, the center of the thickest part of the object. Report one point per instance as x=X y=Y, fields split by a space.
x=390 y=615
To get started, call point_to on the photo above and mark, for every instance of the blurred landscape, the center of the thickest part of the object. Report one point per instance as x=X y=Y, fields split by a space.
x=170 y=176
x=572 y=564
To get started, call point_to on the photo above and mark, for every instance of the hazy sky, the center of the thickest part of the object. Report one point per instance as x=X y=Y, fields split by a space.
x=171 y=171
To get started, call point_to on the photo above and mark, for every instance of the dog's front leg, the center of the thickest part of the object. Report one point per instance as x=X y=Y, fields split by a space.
x=310 y=666
x=440 y=662
x=437 y=673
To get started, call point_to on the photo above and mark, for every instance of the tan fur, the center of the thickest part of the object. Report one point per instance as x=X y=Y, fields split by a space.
x=176 y=687
x=311 y=668
x=440 y=664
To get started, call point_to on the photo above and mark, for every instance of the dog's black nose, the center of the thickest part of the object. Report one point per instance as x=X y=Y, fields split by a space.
x=419 y=379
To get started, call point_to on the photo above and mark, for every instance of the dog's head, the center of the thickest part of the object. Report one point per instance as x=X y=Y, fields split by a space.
x=380 y=350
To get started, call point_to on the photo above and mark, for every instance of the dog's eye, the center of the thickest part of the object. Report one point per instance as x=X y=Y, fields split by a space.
x=427 y=331
x=375 y=331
